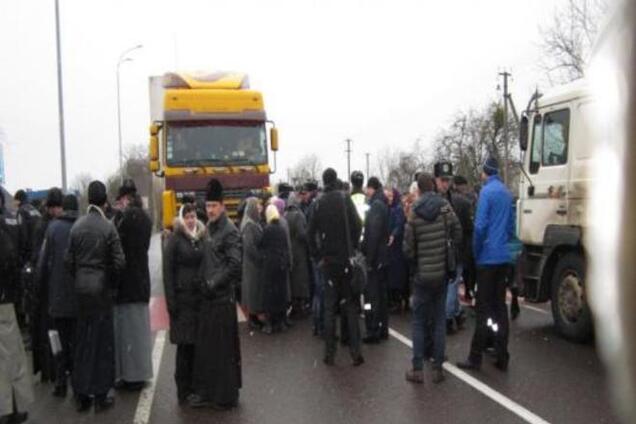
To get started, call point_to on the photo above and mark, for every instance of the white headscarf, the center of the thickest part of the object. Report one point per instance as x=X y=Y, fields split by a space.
x=271 y=213
x=194 y=234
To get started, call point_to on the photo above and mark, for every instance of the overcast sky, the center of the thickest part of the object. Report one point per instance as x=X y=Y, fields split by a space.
x=381 y=72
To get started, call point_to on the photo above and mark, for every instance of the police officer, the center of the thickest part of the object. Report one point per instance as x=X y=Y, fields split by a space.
x=16 y=387
x=461 y=206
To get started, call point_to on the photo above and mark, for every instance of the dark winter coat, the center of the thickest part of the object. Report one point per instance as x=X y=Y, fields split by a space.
x=94 y=256
x=300 y=252
x=464 y=211
x=217 y=358
x=62 y=302
x=181 y=266
x=376 y=232
x=29 y=219
x=9 y=256
x=276 y=263
x=398 y=275
x=135 y=229
x=252 y=276
x=221 y=265
x=38 y=236
x=327 y=228
x=425 y=238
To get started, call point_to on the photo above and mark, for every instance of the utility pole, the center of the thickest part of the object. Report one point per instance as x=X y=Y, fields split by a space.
x=348 y=141
x=505 y=75
x=60 y=95
x=367 y=154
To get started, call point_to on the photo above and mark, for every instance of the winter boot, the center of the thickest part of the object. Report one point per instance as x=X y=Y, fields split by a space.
x=415 y=376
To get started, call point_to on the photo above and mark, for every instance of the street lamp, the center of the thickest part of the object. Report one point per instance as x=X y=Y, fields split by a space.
x=122 y=58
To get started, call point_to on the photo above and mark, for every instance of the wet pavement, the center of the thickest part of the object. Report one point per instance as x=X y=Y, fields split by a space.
x=285 y=381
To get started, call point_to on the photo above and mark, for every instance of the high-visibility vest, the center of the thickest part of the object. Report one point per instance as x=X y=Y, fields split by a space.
x=362 y=207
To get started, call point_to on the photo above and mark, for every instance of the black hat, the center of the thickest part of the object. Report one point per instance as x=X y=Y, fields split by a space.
x=491 y=166
x=284 y=190
x=54 y=198
x=97 y=193
x=69 y=203
x=127 y=187
x=20 y=196
x=310 y=186
x=214 y=191
x=460 y=180
x=374 y=183
x=443 y=170
x=357 y=178
x=329 y=177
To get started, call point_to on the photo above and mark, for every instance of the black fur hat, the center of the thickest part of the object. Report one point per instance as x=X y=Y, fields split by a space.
x=54 y=198
x=97 y=193
x=128 y=187
x=214 y=191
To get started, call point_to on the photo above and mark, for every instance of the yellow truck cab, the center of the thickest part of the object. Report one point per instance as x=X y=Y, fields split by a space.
x=206 y=125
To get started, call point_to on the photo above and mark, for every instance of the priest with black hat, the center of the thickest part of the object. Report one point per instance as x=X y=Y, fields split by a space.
x=94 y=255
x=133 y=340
x=217 y=357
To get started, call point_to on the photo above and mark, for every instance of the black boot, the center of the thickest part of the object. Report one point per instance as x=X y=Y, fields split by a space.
x=60 y=390
x=103 y=403
x=469 y=364
x=82 y=403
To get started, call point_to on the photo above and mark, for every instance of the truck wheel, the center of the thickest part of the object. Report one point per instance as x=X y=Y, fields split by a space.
x=570 y=309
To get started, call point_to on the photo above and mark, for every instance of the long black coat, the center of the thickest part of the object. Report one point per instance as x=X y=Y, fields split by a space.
x=94 y=256
x=181 y=266
x=217 y=357
x=135 y=229
x=62 y=302
x=300 y=252
x=252 y=276
x=276 y=261
x=327 y=230
x=376 y=232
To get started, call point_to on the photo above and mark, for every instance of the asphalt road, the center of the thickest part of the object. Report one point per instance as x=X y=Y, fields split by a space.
x=285 y=381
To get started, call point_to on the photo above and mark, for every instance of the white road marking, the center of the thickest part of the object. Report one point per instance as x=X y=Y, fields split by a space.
x=507 y=403
x=240 y=314
x=142 y=414
x=535 y=309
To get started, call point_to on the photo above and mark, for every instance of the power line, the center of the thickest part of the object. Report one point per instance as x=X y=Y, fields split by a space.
x=348 y=151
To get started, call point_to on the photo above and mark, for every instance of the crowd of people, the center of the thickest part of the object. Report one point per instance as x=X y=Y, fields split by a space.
x=346 y=251
x=75 y=289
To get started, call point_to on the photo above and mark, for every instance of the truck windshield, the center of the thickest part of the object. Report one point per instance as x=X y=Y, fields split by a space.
x=216 y=143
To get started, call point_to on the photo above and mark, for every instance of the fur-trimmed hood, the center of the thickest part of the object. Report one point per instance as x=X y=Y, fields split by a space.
x=179 y=227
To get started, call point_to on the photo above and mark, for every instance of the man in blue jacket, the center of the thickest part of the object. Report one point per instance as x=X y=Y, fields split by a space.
x=494 y=228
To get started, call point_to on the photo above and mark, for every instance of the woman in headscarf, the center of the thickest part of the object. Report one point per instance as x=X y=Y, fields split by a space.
x=280 y=207
x=300 y=252
x=181 y=263
x=276 y=264
x=398 y=272
x=251 y=283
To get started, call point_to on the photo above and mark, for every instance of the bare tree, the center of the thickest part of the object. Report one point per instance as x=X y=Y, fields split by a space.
x=308 y=167
x=396 y=167
x=567 y=42
x=472 y=137
x=80 y=186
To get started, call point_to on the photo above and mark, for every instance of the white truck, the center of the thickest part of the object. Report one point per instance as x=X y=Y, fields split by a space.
x=551 y=211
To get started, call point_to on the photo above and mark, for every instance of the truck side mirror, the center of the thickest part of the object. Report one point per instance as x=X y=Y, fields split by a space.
x=523 y=133
x=273 y=137
x=154 y=148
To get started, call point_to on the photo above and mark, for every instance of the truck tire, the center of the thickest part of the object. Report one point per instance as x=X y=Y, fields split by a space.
x=570 y=309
